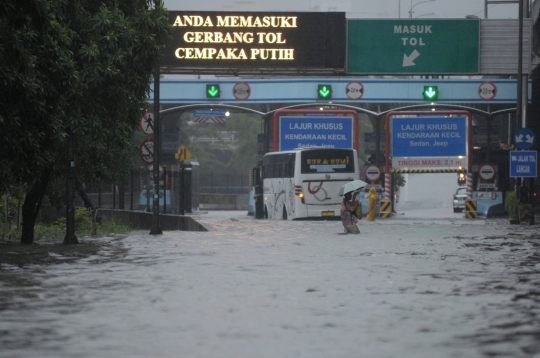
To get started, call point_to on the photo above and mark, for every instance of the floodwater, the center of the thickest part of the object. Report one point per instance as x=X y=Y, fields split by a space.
x=426 y=283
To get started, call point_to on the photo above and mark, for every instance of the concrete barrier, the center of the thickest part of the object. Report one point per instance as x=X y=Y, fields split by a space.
x=206 y=201
x=489 y=203
x=142 y=220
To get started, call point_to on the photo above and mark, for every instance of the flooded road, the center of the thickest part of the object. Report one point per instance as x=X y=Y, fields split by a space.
x=422 y=284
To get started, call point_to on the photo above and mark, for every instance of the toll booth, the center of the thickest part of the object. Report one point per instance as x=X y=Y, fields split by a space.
x=489 y=203
x=488 y=196
x=363 y=197
x=148 y=190
x=146 y=200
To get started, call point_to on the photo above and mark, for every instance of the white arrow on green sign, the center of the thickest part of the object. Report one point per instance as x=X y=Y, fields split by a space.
x=430 y=92
x=324 y=91
x=413 y=46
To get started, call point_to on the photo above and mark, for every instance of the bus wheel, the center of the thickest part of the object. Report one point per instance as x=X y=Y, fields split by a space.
x=265 y=212
x=284 y=213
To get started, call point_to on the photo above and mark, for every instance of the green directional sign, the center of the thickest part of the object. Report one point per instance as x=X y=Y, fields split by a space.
x=413 y=46
x=212 y=91
x=430 y=93
x=324 y=91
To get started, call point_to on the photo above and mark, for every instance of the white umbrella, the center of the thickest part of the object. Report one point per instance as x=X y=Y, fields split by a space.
x=352 y=186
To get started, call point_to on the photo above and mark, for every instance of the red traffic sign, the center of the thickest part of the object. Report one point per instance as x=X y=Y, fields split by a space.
x=147 y=122
x=147 y=151
x=373 y=173
x=486 y=172
x=354 y=90
x=487 y=91
x=241 y=91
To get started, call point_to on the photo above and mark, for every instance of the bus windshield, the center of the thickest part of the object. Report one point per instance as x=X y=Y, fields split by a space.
x=327 y=161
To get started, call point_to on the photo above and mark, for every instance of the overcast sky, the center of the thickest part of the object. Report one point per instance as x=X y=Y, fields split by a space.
x=358 y=8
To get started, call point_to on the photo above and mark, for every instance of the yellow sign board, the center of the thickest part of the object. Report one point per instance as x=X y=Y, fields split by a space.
x=183 y=154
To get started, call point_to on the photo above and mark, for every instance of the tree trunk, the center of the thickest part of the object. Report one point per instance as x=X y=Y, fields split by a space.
x=7 y=223
x=94 y=217
x=94 y=214
x=31 y=206
x=84 y=196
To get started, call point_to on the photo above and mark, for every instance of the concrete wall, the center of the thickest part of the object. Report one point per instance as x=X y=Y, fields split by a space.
x=206 y=201
x=142 y=220
x=223 y=201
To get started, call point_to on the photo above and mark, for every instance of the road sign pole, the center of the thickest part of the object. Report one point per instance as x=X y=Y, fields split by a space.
x=519 y=112
x=182 y=194
x=156 y=229
x=70 y=237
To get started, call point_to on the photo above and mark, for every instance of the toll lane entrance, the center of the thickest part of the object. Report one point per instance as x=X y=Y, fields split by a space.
x=423 y=142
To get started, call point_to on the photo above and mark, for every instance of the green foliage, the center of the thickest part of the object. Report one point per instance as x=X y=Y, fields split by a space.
x=223 y=157
x=511 y=203
x=83 y=227
x=245 y=155
x=399 y=180
x=83 y=69
x=9 y=205
x=36 y=71
x=118 y=53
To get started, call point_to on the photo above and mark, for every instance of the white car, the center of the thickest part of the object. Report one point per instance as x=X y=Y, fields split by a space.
x=459 y=199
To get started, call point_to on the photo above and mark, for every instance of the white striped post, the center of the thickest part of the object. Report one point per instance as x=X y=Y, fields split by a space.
x=469 y=186
x=387 y=186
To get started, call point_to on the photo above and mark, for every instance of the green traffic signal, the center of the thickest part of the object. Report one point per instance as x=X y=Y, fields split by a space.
x=431 y=93
x=324 y=92
x=212 y=91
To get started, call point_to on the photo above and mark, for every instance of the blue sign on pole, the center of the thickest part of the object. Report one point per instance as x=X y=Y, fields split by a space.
x=209 y=113
x=523 y=164
x=429 y=137
x=524 y=138
x=315 y=131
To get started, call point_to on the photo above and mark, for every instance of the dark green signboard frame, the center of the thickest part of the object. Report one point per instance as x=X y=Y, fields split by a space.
x=413 y=46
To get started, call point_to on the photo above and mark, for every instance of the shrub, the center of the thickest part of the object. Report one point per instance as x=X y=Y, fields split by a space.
x=511 y=204
x=83 y=227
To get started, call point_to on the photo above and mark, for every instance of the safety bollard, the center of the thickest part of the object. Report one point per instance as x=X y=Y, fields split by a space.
x=525 y=212
x=385 y=209
x=470 y=209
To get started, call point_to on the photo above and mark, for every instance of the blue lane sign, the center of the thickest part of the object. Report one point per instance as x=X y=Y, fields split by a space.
x=429 y=137
x=315 y=131
x=209 y=113
x=523 y=164
x=524 y=138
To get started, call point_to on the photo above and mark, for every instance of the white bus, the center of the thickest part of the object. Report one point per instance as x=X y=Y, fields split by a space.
x=305 y=183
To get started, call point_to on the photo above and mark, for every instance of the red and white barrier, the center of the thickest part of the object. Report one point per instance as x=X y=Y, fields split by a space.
x=387 y=186
x=469 y=186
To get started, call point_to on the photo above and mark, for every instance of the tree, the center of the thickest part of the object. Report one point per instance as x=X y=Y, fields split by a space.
x=36 y=71
x=248 y=126
x=100 y=70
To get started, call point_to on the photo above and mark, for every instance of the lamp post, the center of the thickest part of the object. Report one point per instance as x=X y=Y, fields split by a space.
x=413 y=6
